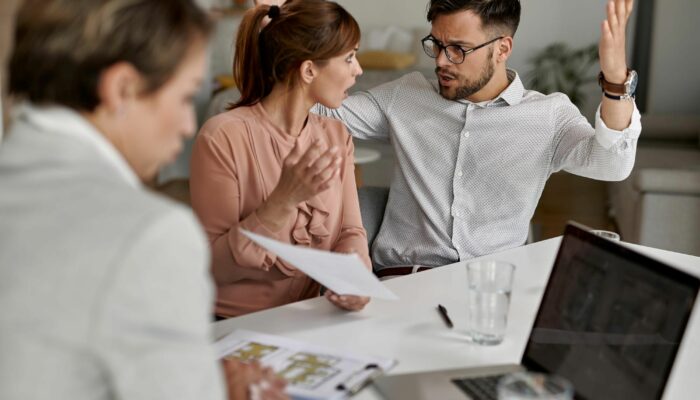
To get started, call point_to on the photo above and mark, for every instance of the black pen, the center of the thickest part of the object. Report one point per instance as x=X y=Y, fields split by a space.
x=443 y=313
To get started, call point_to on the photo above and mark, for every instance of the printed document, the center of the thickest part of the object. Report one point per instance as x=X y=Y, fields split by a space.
x=312 y=372
x=341 y=273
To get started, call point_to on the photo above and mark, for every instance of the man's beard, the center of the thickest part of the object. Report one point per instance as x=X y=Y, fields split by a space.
x=464 y=91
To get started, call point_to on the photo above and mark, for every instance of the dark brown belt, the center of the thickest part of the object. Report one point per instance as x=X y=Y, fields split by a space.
x=392 y=271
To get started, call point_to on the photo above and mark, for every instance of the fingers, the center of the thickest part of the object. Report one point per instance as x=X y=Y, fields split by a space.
x=252 y=381
x=275 y=387
x=274 y=394
x=605 y=29
x=320 y=165
x=619 y=12
x=612 y=14
x=236 y=379
x=347 y=302
x=328 y=159
x=311 y=154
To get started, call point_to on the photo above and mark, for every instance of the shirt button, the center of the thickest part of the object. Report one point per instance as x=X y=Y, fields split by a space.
x=458 y=213
x=460 y=173
x=466 y=134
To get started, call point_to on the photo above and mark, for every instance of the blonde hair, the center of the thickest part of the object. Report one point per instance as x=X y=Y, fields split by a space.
x=62 y=46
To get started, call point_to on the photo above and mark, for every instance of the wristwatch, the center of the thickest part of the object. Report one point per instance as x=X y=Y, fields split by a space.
x=616 y=91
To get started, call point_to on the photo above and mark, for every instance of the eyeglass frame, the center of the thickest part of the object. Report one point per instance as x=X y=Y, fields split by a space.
x=442 y=48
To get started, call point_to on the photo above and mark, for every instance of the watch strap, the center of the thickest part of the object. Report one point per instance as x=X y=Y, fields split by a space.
x=617 y=97
x=609 y=87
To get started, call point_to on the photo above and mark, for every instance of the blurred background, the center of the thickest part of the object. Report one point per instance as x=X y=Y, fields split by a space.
x=555 y=50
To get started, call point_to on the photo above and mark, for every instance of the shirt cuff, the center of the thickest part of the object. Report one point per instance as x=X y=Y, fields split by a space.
x=609 y=138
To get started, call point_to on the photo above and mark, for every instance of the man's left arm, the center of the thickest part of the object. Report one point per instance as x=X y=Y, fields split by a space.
x=608 y=152
x=615 y=113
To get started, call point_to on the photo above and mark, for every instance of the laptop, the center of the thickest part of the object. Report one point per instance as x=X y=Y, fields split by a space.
x=610 y=321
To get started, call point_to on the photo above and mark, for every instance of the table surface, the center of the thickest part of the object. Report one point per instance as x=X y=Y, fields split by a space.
x=411 y=331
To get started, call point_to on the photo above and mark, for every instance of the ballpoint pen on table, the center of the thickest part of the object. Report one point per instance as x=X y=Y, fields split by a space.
x=443 y=313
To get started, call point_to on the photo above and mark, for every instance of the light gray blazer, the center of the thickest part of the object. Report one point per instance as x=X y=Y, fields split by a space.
x=104 y=287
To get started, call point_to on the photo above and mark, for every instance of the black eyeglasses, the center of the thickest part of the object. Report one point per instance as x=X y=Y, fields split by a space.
x=455 y=53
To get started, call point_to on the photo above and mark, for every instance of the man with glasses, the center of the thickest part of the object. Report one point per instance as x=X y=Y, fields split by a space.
x=475 y=148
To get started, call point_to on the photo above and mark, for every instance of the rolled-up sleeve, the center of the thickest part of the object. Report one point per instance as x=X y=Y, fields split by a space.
x=609 y=138
x=597 y=153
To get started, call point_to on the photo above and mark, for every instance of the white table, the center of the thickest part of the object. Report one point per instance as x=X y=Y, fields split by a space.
x=411 y=330
x=363 y=155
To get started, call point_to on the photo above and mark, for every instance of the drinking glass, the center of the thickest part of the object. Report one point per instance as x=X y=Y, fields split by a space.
x=606 y=234
x=489 y=285
x=534 y=386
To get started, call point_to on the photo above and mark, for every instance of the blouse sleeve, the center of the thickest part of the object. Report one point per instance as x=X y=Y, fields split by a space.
x=216 y=198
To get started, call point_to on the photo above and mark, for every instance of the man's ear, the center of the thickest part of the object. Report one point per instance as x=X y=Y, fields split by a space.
x=118 y=84
x=308 y=71
x=504 y=48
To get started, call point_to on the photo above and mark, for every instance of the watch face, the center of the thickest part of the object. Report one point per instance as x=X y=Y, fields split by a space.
x=631 y=82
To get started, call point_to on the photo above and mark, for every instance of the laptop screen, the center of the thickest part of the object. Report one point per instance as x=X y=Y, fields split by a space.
x=611 y=320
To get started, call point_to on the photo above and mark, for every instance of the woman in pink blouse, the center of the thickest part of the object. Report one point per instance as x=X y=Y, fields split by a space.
x=271 y=167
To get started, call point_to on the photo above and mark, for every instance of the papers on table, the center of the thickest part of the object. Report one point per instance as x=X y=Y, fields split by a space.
x=341 y=273
x=311 y=371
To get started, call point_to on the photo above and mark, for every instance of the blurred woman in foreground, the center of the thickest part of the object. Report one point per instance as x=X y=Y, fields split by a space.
x=105 y=287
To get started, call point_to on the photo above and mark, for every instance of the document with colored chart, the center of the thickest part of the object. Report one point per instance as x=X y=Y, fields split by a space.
x=341 y=273
x=312 y=372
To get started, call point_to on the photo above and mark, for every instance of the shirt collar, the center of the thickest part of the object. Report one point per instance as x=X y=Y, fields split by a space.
x=512 y=94
x=65 y=121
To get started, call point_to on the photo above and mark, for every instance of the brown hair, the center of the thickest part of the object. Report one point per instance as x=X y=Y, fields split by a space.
x=303 y=30
x=63 y=46
x=503 y=15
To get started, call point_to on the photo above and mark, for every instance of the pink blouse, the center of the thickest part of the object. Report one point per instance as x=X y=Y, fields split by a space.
x=236 y=164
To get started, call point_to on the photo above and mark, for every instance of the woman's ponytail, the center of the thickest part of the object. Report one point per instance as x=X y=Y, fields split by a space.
x=249 y=73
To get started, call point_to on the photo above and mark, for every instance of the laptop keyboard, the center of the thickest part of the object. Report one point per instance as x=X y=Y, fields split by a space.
x=480 y=388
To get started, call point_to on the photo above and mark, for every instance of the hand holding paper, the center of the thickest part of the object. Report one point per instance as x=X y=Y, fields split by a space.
x=345 y=274
x=349 y=303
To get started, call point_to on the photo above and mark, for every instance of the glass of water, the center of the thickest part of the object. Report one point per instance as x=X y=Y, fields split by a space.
x=534 y=386
x=489 y=285
x=606 y=234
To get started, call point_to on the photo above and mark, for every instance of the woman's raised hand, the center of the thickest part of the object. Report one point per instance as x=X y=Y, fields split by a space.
x=304 y=175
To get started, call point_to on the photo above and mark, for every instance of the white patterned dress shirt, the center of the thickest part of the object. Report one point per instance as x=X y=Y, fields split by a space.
x=469 y=176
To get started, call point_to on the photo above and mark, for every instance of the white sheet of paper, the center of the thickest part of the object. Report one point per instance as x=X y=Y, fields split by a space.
x=341 y=273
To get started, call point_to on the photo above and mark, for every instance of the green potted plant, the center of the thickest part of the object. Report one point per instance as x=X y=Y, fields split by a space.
x=559 y=68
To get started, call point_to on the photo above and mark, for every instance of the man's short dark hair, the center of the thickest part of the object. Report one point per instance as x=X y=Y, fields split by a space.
x=503 y=15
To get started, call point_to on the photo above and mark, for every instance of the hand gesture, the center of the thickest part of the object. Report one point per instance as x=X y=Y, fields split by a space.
x=347 y=302
x=611 y=49
x=252 y=382
x=305 y=175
